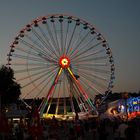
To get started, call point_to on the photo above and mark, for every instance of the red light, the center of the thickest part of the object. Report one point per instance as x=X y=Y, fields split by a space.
x=64 y=62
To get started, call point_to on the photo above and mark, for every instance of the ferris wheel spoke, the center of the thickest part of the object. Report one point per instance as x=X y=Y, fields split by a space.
x=91 y=73
x=39 y=38
x=33 y=74
x=33 y=44
x=35 y=80
x=90 y=66
x=75 y=42
x=89 y=70
x=88 y=88
x=66 y=38
x=37 y=55
x=38 y=50
x=38 y=59
x=23 y=50
x=53 y=42
x=92 y=86
x=76 y=65
x=37 y=88
x=82 y=48
x=48 y=45
x=50 y=75
x=88 y=49
x=93 y=80
x=49 y=59
x=81 y=41
x=31 y=69
x=70 y=40
x=43 y=42
x=33 y=64
x=56 y=38
x=88 y=56
x=61 y=40
x=26 y=57
x=93 y=77
x=87 y=45
x=99 y=58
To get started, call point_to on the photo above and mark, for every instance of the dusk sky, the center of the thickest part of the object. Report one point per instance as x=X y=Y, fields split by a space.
x=117 y=20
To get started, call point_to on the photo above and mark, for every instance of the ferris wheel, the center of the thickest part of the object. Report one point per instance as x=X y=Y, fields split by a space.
x=62 y=59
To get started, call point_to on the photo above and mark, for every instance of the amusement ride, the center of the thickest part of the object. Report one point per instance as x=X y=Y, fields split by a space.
x=63 y=60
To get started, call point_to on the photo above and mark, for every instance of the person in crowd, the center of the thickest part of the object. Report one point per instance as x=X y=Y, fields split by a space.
x=102 y=131
x=121 y=130
x=130 y=131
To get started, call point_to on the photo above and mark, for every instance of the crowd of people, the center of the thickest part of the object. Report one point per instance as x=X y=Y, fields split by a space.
x=87 y=129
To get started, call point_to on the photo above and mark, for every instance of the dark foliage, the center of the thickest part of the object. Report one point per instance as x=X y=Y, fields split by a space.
x=9 y=88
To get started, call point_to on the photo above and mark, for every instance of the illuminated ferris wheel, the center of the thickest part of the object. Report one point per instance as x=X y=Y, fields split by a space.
x=62 y=59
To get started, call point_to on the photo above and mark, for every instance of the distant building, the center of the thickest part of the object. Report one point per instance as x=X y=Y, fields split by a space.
x=13 y=112
x=129 y=108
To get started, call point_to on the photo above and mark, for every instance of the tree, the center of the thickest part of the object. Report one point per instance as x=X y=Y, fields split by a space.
x=9 y=88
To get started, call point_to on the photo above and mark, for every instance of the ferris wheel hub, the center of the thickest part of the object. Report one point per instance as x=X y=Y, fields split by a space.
x=64 y=62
